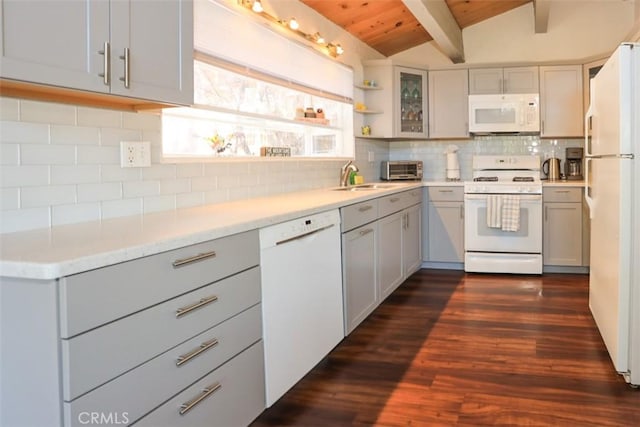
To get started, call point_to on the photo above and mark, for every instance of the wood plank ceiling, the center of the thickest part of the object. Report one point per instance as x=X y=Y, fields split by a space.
x=389 y=27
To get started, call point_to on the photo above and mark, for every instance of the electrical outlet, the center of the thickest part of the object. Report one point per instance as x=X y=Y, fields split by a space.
x=371 y=156
x=135 y=154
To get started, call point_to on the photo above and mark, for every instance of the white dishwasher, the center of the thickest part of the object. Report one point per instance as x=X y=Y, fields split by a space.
x=302 y=309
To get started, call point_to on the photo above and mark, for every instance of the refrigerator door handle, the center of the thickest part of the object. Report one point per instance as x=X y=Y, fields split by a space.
x=588 y=157
x=588 y=120
x=587 y=189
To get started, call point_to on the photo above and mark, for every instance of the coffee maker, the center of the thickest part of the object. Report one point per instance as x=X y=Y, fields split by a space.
x=573 y=163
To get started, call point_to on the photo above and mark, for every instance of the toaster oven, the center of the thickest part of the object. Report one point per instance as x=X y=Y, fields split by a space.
x=401 y=170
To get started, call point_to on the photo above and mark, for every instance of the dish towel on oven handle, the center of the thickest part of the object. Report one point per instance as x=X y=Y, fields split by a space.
x=510 y=213
x=494 y=211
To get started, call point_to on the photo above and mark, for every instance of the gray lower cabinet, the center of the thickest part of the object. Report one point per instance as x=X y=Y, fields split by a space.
x=445 y=218
x=380 y=249
x=134 y=336
x=232 y=395
x=412 y=240
x=390 y=253
x=361 y=295
x=562 y=243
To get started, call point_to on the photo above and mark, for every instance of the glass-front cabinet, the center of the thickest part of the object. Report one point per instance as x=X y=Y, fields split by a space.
x=392 y=101
x=410 y=106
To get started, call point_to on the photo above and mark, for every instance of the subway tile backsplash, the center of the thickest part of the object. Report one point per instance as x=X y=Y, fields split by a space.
x=432 y=152
x=60 y=164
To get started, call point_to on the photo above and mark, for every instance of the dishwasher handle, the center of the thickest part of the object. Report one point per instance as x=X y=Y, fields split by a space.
x=303 y=235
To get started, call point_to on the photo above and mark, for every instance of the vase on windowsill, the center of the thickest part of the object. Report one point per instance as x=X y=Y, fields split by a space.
x=217 y=144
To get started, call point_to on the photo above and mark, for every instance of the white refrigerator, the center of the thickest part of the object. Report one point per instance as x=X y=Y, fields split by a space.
x=612 y=190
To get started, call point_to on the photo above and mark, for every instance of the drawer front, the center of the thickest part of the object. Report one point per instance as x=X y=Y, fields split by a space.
x=562 y=194
x=99 y=296
x=358 y=214
x=236 y=397
x=95 y=357
x=413 y=197
x=392 y=203
x=446 y=194
x=139 y=391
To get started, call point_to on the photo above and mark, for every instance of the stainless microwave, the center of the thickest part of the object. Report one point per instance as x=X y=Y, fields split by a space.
x=401 y=170
x=517 y=112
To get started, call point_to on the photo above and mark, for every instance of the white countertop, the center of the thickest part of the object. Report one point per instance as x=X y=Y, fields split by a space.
x=64 y=250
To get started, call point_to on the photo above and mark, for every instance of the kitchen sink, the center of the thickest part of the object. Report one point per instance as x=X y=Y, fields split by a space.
x=363 y=187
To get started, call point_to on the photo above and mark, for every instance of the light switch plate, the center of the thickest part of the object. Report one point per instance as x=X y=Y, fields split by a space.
x=135 y=154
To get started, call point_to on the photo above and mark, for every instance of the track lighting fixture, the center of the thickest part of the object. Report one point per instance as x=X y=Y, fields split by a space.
x=293 y=26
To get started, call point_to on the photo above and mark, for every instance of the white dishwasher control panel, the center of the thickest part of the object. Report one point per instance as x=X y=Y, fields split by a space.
x=284 y=232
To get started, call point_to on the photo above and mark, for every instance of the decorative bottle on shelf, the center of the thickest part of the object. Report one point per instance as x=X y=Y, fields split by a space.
x=405 y=91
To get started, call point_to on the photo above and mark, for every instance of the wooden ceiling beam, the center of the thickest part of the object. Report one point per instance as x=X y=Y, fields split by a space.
x=436 y=18
x=541 y=15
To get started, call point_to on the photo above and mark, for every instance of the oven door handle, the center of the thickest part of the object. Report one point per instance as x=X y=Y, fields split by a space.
x=523 y=197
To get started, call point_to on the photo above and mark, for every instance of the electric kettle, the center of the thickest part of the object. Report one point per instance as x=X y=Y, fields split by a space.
x=551 y=168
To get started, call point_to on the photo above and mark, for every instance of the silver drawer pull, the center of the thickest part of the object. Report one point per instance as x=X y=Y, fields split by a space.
x=197 y=351
x=365 y=232
x=561 y=191
x=206 y=392
x=365 y=208
x=445 y=191
x=203 y=301
x=394 y=199
x=184 y=261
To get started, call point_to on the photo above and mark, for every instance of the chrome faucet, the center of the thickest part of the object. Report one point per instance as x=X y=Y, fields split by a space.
x=345 y=171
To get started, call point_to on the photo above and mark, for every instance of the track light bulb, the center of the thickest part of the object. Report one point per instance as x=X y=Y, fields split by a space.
x=293 y=24
x=257 y=6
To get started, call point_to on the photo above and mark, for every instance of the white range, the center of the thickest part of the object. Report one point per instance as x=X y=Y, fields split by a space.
x=503 y=215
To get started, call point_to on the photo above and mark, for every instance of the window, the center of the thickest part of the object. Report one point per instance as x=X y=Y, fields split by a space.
x=241 y=110
x=235 y=115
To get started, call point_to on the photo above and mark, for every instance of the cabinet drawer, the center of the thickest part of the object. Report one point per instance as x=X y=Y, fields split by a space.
x=139 y=391
x=95 y=357
x=446 y=194
x=99 y=296
x=413 y=197
x=358 y=214
x=562 y=194
x=238 y=396
x=393 y=203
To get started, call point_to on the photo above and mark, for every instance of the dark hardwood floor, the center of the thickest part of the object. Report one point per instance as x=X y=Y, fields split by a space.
x=449 y=348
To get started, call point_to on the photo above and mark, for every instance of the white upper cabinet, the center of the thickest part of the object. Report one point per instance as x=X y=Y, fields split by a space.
x=410 y=102
x=503 y=80
x=159 y=36
x=54 y=43
x=561 y=106
x=448 y=104
x=398 y=109
x=135 y=48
